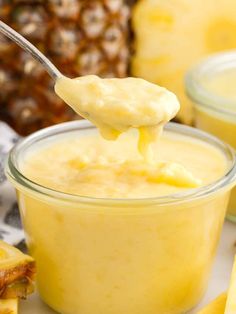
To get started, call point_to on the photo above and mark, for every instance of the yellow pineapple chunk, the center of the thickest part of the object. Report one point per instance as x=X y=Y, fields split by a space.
x=173 y=35
x=231 y=299
x=215 y=307
x=17 y=272
x=9 y=306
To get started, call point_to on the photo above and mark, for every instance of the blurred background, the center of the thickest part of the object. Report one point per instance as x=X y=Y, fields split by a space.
x=158 y=40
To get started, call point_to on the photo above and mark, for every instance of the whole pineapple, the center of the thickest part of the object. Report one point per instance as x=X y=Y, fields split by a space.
x=173 y=35
x=80 y=36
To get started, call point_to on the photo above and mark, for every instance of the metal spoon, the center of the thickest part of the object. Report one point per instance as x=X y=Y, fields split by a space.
x=27 y=46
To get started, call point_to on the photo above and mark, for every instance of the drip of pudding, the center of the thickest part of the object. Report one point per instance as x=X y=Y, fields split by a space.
x=115 y=105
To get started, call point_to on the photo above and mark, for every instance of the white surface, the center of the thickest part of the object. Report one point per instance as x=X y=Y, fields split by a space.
x=218 y=283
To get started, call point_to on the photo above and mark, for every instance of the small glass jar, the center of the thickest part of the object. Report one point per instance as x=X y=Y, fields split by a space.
x=211 y=85
x=94 y=255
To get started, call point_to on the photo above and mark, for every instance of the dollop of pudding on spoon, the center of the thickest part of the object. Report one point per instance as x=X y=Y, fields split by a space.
x=115 y=105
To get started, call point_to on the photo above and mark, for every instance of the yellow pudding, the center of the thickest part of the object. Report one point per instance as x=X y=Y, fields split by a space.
x=86 y=166
x=223 y=84
x=211 y=86
x=222 y=124
x=123 y=245
x=115 y=105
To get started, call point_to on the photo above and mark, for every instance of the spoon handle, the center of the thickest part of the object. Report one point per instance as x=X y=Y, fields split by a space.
x=27 y=46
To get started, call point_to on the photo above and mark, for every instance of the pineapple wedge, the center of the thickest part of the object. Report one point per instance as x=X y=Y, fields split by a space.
x=231 y=300
x=17 y=272
x=171 y=36
x=215 y=307
x=9 y=306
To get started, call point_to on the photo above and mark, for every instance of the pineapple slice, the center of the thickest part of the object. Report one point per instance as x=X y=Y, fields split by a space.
x=215 y=307
x=231 y=300
x=173 y=35
x=9 y=306
x=17 y=272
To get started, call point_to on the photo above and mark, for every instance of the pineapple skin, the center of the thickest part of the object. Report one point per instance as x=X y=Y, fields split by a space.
x=17 y=273
x=171 y=36
x=80 y=36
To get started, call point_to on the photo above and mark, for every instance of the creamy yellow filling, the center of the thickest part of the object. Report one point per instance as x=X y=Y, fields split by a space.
x=162 y=172
x=115 y=105
x=92 y=166
x=222 y=84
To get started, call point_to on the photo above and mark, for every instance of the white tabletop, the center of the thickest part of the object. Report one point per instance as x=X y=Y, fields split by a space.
x=218 y=283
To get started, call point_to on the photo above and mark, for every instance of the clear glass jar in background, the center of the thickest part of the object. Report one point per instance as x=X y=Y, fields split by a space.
x=80 y=36
x=212 y=87
x=113 y=256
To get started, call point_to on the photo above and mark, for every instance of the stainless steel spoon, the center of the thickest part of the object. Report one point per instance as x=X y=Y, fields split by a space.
x=27 y=46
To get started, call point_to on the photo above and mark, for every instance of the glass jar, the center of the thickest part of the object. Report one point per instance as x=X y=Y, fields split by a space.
x=115 y=256
x=80 y=37
x=212 y=87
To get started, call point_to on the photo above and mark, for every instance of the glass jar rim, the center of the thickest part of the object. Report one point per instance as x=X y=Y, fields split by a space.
x=17 y=177
x=203 y=97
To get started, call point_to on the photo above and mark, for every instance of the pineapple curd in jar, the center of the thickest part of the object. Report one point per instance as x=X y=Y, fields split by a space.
x=211 y=85
x=118 y=257
x=113 y=232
